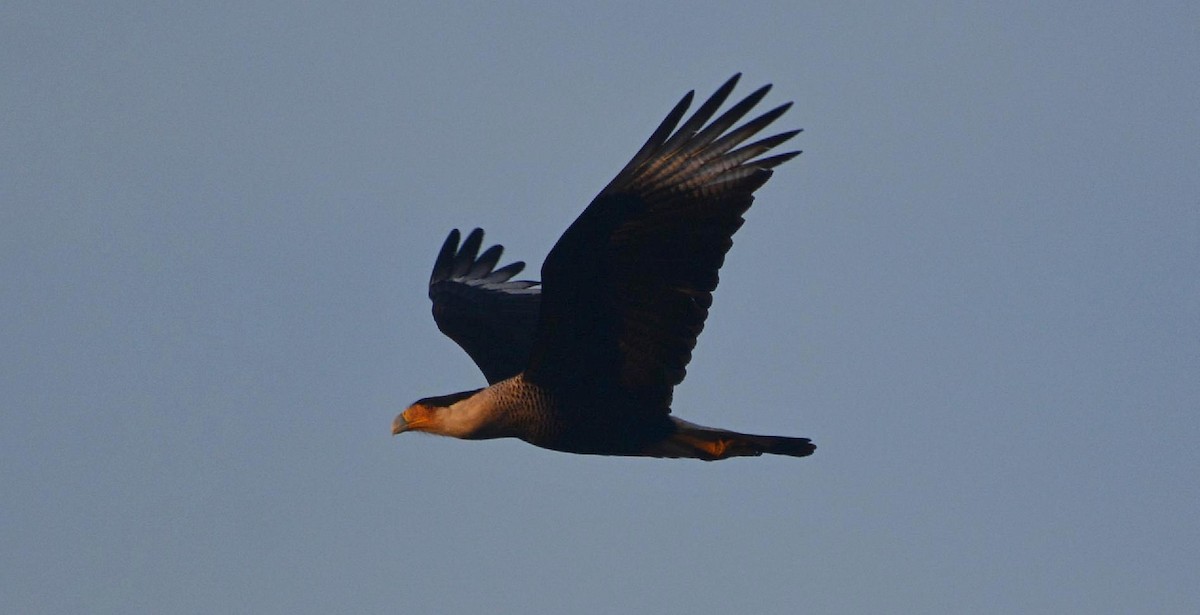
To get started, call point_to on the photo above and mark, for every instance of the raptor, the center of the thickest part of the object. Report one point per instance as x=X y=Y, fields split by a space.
x=586 y=360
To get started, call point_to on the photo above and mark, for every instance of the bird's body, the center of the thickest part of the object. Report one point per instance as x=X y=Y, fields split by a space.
x=587 y=362
x=568 y=421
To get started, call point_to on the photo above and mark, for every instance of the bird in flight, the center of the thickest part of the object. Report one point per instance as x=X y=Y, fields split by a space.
x=586 y=361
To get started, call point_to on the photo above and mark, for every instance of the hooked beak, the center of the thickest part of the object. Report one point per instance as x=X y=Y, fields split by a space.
x=399 y=425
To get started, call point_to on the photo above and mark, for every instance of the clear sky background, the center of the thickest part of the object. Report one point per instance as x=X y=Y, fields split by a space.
x=978 y=291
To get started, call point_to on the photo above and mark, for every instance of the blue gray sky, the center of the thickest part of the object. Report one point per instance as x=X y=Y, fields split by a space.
x=978 y=291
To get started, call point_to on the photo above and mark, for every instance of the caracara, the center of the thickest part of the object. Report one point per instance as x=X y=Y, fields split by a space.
x=587 y=362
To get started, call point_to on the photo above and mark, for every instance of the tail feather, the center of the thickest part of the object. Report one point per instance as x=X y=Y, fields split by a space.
x=698 y=442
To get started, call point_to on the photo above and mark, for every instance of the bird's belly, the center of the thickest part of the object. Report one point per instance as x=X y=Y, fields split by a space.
x=599 y=432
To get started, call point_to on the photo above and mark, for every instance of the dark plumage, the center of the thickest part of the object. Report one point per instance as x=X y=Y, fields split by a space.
x=587 y=362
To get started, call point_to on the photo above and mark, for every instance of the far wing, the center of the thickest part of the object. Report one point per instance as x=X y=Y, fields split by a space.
x=626 y=290
x=481 y=308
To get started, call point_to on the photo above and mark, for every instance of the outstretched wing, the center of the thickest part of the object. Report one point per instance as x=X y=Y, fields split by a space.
x=627 y=288
x=481 y=308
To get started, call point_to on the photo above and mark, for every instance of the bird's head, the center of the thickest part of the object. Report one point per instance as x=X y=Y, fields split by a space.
x=428 y=414
x=413 y=418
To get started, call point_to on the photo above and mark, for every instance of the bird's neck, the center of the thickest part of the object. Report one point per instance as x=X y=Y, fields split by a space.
x=476 y=417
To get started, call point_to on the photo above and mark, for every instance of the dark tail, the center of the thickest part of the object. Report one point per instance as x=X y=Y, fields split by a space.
x=699 y=442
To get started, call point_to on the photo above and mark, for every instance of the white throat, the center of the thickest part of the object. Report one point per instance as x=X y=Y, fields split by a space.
x=473 y=418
